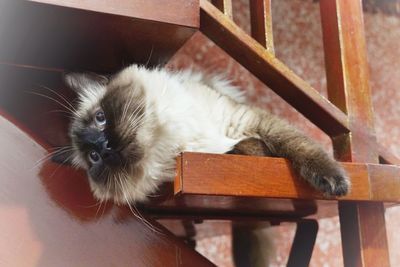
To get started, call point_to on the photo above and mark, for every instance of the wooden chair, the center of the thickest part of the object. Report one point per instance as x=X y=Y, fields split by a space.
x=53 y=35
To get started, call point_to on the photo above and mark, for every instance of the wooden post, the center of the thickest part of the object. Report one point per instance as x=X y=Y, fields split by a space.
x=363 y=228
x=303 y=244
x=261 y=23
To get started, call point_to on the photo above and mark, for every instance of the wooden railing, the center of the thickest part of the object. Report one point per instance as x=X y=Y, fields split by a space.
x=346 y=117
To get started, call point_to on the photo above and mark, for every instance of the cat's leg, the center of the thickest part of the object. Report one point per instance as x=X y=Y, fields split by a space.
x=251 y=146
x=308 y=159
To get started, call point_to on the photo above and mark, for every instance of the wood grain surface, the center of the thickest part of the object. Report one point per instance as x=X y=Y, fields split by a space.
x=180 y=12
x=363 y=229
x=49 y=217
x=265 y=66
x=103 y=38
x=245 y=176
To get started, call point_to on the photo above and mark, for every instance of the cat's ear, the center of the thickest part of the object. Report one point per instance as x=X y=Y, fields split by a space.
x=63 y=156
x=80 y=81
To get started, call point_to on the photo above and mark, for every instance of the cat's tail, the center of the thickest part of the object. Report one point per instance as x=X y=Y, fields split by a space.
x=252 y=244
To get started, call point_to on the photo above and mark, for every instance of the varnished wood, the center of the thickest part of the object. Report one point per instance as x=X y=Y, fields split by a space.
x=80 y=34
x=261 y=23
x=49 y=217
x=104 y=38
x=363 y=227
x=303 y=244
x=271 y=71
x=25 y=94
x=245 y=176
x=225 y=6
x=386 y=157
x=180 y=12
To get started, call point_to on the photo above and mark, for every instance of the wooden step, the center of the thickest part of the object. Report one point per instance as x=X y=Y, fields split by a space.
x=100 y=36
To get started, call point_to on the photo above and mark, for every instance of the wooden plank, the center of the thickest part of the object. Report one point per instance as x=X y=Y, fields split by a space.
x=363 y=227
x=180 y=12
x=225 y=6
x=261 y=23
x=245 y=176
x=271 y=71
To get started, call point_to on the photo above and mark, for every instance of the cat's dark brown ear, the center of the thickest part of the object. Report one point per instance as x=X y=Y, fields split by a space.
x=63 y=156
x=80 y=81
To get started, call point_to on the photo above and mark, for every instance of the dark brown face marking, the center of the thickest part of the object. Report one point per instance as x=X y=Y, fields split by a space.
x=124 y=108
x=111 y=146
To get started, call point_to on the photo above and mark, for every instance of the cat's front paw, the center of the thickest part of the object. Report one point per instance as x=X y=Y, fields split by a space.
x=327 y=176
x=337 y=185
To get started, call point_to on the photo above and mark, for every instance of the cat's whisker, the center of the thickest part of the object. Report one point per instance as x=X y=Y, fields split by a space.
x=127 y=129
x=137 y=120
x=56 y=101
x=66 y=160
x=137 y=124
x=134 y=210
x=64 y=113
x=90 y=206
x=98 y=208
x=138 y=108
x=60 y=111
x=126 y=107
x=60 y=96
x=49 y=155
x=151 y=53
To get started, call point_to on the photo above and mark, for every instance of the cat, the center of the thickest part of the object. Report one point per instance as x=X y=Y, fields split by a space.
x=128 y=129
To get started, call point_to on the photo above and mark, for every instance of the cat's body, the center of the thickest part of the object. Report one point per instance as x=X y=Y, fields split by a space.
x=127 y=132
x=160 y=114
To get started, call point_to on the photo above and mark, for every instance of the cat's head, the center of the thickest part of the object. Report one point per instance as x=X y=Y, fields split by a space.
x=108 y=135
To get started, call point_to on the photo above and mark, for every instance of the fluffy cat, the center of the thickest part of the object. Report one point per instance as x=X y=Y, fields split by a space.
x=127 y=131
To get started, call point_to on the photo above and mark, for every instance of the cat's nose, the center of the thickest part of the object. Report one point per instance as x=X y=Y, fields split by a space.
x=106 y=145
x=109 y=155
x=105 y=149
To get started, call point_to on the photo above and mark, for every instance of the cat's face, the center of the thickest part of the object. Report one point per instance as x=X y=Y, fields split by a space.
x=106 y=134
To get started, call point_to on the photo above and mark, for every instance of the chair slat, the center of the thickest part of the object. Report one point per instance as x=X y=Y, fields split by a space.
x=261 y=23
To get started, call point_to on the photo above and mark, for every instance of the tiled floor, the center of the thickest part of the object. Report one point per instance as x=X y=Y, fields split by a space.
x=298 y=43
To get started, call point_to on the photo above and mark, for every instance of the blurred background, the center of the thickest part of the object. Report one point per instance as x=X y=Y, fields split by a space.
x=298 y=43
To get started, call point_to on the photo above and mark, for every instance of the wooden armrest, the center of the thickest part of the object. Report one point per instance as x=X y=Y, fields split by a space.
x=236 y=175
x=228 y=186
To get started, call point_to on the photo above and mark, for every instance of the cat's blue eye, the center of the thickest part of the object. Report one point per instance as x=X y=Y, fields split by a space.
x=100 y=118
x=94 y=157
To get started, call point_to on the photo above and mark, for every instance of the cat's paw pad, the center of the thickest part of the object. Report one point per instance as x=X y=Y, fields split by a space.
x=338 y=185
x=326 y=176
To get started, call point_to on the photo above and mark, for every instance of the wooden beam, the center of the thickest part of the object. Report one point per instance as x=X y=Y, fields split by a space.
x=265 y=177
x=363 y=229
x=261 y=23
x=271 y=71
